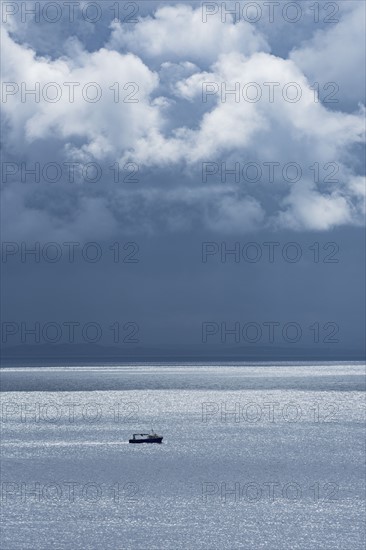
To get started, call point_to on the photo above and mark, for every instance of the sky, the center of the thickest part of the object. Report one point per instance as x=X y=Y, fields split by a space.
x=189 y=176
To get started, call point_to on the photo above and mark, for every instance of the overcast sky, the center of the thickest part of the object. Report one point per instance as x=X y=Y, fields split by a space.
x=198 y=127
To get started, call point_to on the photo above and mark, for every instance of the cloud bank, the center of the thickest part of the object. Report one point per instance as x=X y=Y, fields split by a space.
x=171 y=94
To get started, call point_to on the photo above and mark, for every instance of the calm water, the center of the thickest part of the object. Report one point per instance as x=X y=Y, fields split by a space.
x=253 y=457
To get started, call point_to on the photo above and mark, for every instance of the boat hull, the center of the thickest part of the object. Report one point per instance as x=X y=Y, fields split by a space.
x=150 y=440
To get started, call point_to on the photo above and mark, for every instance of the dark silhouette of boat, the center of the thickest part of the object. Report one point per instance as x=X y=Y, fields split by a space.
x=146 y=438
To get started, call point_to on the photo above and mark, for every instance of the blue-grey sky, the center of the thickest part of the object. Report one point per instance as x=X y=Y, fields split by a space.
x=204 y=132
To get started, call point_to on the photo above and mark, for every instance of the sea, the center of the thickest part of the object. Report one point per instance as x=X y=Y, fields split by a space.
x=254 y=456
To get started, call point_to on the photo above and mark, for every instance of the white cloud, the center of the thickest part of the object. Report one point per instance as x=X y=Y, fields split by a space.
x=151 y=134
x=107 y=125
x=288 y=130
x=177 y=33
x=306 y=208
x=337 y=54
x=357 y=189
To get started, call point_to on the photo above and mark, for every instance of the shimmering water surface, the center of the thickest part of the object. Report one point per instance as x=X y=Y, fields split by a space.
x=265 y=456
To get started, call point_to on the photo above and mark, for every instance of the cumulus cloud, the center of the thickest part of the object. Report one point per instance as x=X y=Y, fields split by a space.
x=306 y=208
x=236 y=121
x=177 y=33
x=337 y=54
x=62 y=110
x=170 y=129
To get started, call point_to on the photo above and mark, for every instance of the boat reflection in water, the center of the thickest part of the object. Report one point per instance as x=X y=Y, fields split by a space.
x=146 y=438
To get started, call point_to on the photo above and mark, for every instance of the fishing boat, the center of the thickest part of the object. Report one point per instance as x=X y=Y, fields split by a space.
x=146 y=438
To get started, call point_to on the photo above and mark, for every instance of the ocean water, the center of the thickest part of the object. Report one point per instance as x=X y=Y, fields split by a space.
x=253 y=457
